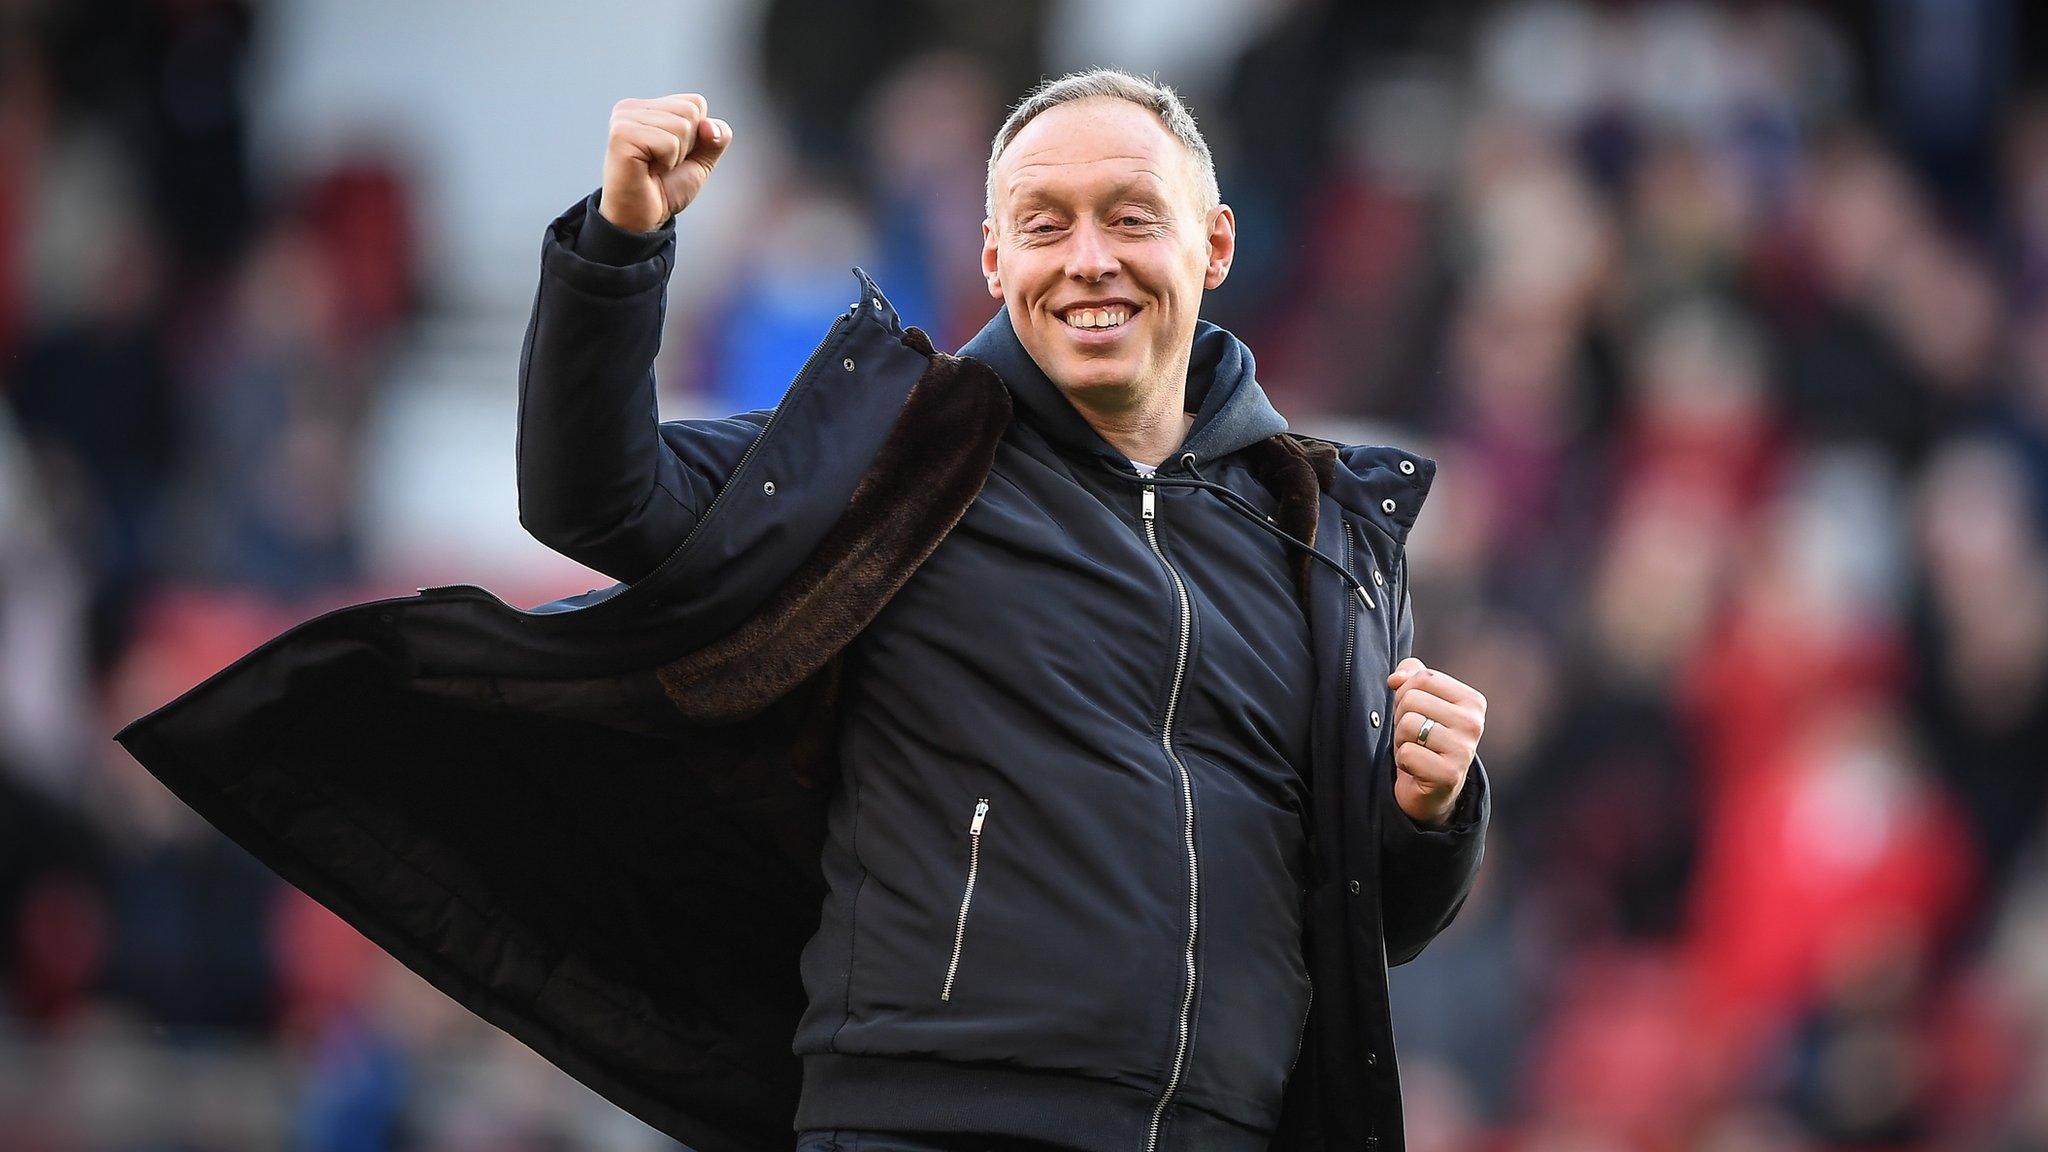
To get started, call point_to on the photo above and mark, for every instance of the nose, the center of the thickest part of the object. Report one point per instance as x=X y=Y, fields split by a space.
x=1089 y=256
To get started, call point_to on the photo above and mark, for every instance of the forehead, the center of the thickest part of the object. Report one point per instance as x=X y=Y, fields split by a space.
x=1086 y=144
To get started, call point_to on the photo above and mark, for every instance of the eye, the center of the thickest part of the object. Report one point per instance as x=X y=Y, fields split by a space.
x=1133 y=221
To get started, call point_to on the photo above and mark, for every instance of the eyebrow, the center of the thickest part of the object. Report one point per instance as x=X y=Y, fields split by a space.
x=1129 y=188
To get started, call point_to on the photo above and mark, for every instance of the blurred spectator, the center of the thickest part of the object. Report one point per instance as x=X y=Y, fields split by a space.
x=1980 y=684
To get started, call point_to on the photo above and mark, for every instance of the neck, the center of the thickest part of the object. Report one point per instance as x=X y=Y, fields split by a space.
x=1147 y=433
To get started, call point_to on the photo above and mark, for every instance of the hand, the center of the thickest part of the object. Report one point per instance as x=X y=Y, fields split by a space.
x=657 y=158
x=1431 y=776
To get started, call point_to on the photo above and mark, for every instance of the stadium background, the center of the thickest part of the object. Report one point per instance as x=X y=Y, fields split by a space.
x=1729 y=327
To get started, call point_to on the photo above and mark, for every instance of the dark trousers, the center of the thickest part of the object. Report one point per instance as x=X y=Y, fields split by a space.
x=869 y=1140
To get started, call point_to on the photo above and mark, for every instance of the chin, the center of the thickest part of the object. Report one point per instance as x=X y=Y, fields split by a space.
x=1094 y=378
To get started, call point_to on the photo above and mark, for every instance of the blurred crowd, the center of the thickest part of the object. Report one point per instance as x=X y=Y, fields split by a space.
x=1728 y=327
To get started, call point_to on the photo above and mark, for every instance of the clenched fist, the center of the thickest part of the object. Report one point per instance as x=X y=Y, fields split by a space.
x=657 y=158
x=1432 y=770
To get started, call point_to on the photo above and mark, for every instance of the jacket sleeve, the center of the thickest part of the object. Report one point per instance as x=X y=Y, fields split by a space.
x=1426 y=872
x=601 y=479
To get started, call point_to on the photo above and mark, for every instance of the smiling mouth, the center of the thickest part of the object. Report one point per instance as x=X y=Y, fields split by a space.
x=1108 y=318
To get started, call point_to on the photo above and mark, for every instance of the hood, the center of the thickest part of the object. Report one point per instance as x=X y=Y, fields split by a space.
x=1231 y=413
x=1231 y=410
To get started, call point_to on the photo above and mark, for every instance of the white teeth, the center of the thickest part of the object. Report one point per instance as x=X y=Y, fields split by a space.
x=1098 y=317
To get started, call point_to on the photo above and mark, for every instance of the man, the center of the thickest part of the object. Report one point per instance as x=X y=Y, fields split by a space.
x=1027 y=704
x=1018 y=703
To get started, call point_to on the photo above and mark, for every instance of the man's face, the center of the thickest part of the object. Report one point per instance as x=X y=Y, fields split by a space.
x=1100 y=247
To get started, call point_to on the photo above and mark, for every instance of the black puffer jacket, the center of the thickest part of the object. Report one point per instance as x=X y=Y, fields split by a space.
x=1068 y=858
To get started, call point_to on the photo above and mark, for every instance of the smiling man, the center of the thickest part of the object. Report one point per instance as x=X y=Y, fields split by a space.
x=1013 y=749
x=1110 y=802
x=1104 y=229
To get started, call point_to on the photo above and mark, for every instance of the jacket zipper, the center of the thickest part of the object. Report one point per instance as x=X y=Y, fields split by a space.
x=973 y=865
x=1350 y=627
x=1359 y=588
x=1148 y=511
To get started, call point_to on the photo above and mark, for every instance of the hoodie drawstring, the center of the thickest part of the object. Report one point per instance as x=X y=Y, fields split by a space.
x=1250 y=512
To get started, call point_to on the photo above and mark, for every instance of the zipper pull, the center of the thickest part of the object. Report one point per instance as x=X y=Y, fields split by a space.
x=980 y=814
x=1146 y=509
x=1359 y=588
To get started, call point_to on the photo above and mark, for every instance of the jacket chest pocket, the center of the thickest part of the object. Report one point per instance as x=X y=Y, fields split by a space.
x=966 y=893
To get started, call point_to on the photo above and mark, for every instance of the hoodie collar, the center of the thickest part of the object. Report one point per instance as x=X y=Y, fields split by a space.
x=1231 y=410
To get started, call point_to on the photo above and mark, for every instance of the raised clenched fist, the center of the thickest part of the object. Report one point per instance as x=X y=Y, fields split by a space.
x=657 y=158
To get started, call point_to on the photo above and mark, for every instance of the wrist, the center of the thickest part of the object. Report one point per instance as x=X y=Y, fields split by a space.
x=601 y=239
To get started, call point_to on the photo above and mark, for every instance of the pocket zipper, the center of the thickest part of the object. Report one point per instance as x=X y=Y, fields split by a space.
x=973 y=864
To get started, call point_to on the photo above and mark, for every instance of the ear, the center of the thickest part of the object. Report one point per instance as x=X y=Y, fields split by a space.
x=1222 y=245
x=988 y=259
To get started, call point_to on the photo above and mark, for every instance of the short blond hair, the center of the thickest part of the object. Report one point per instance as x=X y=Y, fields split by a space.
x=1117 y=84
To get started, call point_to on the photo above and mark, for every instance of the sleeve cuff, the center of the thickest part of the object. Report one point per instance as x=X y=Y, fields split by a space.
x=563 y=261
x=1465 y=814
x=600 y=240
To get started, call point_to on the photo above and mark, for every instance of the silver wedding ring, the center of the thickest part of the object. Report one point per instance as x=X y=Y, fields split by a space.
x=1422 y=733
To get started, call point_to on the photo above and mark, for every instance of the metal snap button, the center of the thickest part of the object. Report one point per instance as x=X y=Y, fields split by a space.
x=1375 y=718
x=1377 y=578
x=1371 y=1058
x=1386 y=505
x=1355 y=887
x=877 y=303
x=768 y=488
x=1408 y=467
x=847 y=363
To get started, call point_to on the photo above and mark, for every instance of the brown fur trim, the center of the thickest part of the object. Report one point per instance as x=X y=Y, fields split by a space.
x=929 y=469
x=1322 y=456
x=1296 y=474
